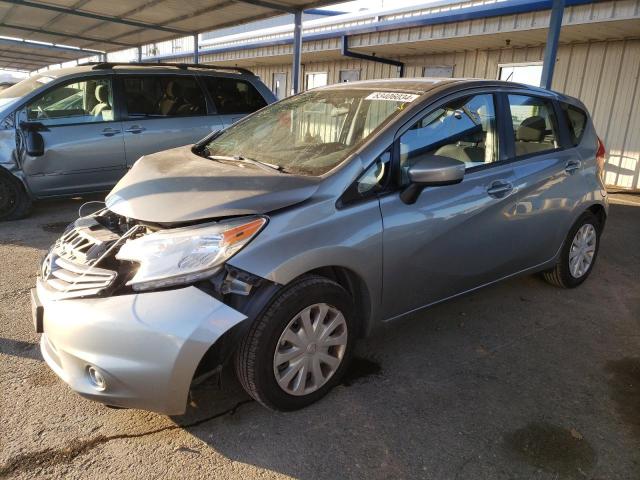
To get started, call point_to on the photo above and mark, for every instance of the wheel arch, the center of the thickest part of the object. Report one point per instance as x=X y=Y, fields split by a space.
x=357 y=288
x=600 y=212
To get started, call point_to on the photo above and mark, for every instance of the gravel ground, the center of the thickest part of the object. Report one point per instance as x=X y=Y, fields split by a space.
x=519 y=380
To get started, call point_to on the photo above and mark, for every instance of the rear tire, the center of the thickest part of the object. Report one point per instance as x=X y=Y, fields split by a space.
x=15 y=203
x=579 y=253
x=262 y=361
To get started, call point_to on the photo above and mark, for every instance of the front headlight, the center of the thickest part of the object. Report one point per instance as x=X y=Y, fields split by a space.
x=185 y=255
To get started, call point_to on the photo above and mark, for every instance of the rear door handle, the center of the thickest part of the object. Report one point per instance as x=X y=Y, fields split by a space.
x=135 y=129
x=110 y=132
x=499 y=188
x=572 y=166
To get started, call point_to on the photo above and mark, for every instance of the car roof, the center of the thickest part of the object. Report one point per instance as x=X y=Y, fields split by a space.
x=425 y=85
x=151 y=67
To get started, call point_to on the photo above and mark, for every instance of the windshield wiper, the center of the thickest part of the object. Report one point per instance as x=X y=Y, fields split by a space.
x=241 y=159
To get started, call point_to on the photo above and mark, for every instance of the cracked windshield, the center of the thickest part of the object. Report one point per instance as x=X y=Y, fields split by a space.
x=308 y=134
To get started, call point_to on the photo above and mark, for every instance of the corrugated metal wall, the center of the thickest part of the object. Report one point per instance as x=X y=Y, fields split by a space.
x=604 y=75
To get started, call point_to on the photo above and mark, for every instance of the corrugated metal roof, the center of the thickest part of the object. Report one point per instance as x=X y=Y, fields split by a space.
x=108 y=26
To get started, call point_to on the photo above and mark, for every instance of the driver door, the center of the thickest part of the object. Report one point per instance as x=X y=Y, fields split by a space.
x=456 y=237
x=83 y=142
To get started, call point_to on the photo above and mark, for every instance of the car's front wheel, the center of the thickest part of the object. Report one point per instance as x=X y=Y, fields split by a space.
x=14 y=201
x=578 y=255
x=299 y=348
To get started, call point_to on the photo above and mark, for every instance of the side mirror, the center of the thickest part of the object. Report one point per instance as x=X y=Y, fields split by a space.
x=34 y=143
x=430 y=171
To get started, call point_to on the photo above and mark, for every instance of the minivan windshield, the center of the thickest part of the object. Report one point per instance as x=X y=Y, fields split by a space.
x=311 y=133
x=25 y=87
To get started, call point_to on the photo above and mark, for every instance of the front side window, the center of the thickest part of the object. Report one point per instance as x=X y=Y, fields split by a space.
x=163 y=96
x=311 y=133
x=84 y=101
x=533 y=124
x=464 y=130
x=231 y=95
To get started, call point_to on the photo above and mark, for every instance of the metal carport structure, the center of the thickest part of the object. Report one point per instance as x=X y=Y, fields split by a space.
x=72 y=29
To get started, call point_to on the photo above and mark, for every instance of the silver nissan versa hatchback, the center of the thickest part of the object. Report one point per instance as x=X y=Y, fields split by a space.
x=276 y=243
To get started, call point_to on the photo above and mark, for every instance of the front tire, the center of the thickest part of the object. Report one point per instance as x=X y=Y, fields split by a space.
x=15 y=203
x=300 y=346
x=579 y=253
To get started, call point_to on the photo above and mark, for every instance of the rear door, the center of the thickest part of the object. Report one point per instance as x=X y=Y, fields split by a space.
x=83 y=140
x=547 y=184
x=162 y=112
x=233 y=97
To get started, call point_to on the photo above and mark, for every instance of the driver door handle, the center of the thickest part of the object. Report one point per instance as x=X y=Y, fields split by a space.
x=110 y=132
x=135 y=129
x=499 y=189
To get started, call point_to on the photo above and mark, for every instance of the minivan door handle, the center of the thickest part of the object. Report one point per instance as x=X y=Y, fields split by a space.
x=572 y=166
x=110 y=132
x=135 y=129
x=499 y=189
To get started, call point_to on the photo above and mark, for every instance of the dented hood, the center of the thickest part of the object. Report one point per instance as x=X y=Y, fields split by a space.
x=178 y=186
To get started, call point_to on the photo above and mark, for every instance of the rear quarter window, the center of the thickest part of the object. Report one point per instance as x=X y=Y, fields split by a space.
x=576 y=122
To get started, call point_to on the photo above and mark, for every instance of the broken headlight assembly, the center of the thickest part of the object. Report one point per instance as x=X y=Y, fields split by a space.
x=187 y=254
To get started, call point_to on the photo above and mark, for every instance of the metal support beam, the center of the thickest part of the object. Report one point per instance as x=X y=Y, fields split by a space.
x=95 y=16
x=65 y=35
x=44 y=46
x=551 y=48
x=270 y=5
x=196 y=52
x=139 y=54
x=348 y=53
x=297 y=52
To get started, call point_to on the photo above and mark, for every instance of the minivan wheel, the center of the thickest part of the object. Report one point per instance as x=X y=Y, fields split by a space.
x=300 y=346
x=14 y=201
x=578 y=255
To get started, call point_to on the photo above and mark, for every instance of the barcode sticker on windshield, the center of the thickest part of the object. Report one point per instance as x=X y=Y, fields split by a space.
x=393 y=96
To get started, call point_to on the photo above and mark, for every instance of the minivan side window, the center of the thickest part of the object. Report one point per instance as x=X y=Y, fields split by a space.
x=232 y=95
x=163 y=96
x=85 y=101
x=464 y=129
x=576 y=121
x=534 y=125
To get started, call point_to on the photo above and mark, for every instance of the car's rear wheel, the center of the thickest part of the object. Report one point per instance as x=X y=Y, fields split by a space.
x=14 y=201
x=299 y=347
x=578 y=255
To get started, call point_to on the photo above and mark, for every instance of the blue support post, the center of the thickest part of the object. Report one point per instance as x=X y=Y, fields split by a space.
x=196 y=50
x=551 y=49
x=297 y=51
x=139 y=54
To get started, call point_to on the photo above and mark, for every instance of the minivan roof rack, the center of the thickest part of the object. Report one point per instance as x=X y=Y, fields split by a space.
x=181 y=66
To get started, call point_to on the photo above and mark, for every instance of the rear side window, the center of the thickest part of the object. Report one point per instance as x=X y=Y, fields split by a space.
x=163 y=96
x=534 y=125
x=231 y=95
x=576 y=122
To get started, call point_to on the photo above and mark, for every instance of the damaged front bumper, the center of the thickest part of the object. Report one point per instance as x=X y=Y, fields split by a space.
x=144 y=346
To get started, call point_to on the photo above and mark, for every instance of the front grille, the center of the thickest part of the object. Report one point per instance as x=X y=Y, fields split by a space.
x=68 y=280
x=69 y=270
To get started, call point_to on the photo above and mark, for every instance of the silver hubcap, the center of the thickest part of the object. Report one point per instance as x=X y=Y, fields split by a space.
x=310 y=349
x=582 y=250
